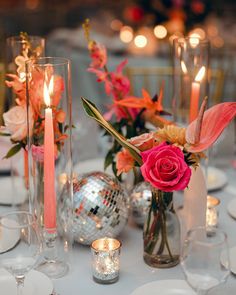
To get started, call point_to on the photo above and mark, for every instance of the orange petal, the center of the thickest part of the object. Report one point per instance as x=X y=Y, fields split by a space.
x=131 y=102
x=215 y=120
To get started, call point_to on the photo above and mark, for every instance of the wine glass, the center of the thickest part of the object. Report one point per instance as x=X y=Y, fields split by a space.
x=22 y=253
x=201 y=258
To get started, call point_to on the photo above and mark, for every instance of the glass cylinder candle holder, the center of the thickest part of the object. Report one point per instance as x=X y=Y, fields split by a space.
x=106 y=260
x=191 y=78
x=18 y=50
x=50 y=158
x=212 y=211
x=22 y=47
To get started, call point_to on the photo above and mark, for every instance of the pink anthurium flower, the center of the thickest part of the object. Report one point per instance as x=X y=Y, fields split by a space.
x=215 y=120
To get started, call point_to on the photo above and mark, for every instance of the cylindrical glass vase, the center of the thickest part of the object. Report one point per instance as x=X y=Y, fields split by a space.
x=18 y=50
x=191 y=78
x=161 y=233
x=50 y=159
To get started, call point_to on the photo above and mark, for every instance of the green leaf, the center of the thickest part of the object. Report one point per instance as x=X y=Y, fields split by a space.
x=108 y=159
x=115 y=171
x=15 y=149
x=93 y=112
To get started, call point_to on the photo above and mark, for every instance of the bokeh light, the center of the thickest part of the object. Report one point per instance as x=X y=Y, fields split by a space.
x=160 y=32
x=140 y=41
x=116 y=25
x=126 y=34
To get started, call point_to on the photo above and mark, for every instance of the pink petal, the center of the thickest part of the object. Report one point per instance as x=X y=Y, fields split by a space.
x=121 y=66
x=215 y=120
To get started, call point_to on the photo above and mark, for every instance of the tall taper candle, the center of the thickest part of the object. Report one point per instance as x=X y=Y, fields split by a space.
x=49 y=167
x=195 y=95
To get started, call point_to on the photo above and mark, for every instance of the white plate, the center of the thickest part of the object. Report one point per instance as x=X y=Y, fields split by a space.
x=12 y=190
x=165 y=287
x=231 y=208
x=36 y=283
x=232 y=255
x=216 y=179
x=8 y=238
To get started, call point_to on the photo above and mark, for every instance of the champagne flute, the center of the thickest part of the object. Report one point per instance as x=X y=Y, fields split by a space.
x=201 y=258
x=23 y=255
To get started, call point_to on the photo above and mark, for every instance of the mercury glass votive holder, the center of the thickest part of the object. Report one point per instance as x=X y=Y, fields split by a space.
x=212 y=211
x=106 y=260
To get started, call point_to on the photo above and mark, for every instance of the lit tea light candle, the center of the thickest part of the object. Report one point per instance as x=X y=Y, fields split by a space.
x=195 y=94
x=212 y=212
x=105 y=260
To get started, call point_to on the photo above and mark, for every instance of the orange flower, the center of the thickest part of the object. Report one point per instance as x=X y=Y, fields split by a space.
x=142 y=102
x=124 y=161
x=60 y=116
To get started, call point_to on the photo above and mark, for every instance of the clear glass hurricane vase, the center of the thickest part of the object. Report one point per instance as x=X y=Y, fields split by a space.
x=18 y=50
x=191 y=77
x=161 y=233
x=50 y=158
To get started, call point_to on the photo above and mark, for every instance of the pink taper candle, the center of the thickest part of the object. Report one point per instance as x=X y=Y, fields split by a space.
x=49 y=167
x=194 y=101
x=195 y=95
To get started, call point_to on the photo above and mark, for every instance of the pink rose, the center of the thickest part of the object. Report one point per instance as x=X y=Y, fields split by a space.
x=165 y=168
x=16 y=122
x=37 y=153
x=124 y=161
x=143 y=142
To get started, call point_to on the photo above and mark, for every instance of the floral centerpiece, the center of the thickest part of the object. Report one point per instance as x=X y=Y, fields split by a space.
x=166 y=158
x=127 y=114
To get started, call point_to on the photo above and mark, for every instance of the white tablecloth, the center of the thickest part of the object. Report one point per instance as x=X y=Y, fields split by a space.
x=134 y=272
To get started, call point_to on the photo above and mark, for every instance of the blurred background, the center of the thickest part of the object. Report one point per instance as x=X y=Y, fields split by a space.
x=141 y=30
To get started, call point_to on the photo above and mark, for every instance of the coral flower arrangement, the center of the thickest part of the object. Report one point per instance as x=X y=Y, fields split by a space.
x=165 y=158
x=15 y=119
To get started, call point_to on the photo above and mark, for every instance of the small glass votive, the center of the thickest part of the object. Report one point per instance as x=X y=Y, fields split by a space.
x=212 y=212
x=106 y=260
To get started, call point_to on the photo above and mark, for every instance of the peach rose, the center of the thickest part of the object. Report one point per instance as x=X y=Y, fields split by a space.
x=143 y=142
x=164 y=167
x=16 y=122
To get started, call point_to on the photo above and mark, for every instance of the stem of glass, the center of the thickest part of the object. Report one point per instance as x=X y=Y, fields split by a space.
x=20 y=284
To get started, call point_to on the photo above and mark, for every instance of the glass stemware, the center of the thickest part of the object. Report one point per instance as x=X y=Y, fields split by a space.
x=203 y=250
x=23 y=254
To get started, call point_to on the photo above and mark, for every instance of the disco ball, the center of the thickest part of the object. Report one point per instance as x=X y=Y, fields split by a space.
x=140 y=201
x=100 y=207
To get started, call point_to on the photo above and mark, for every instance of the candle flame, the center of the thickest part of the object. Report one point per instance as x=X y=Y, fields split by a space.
x=200 y=74
x=194 y=40
x=183 y=67
x=48 y=91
